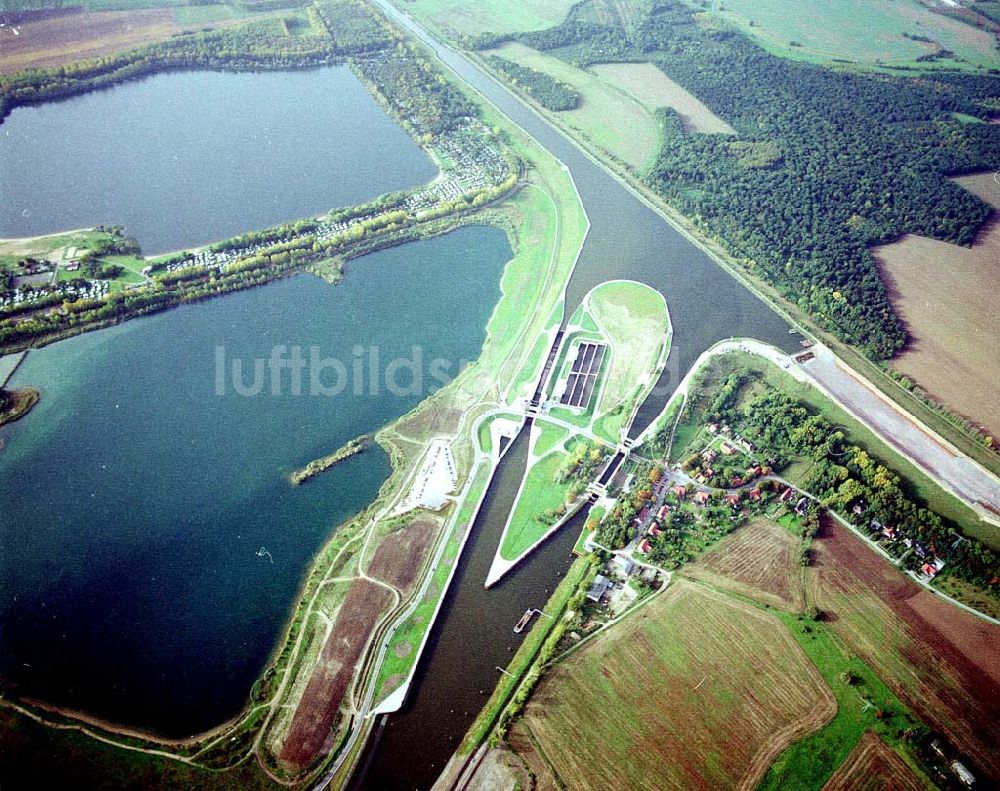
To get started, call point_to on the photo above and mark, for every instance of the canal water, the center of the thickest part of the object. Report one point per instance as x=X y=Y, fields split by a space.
x=152 y=545
x=187 y=158
x=475 y=633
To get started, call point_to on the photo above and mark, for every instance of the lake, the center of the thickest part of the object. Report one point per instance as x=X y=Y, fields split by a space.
x=188 y=158
x=136 y=500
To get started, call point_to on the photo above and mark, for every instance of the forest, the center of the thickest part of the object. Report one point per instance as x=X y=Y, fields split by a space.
x=548 y=92
x=826 y=163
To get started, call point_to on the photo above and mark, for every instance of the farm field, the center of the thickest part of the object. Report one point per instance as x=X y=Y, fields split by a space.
x=873 y=766
x=695 y=690
x=759 y=561
x=937 y=288
x=607 y=116
x=318 y=709
x=490 y=16
x=940 y=661
x=401 y=554
x=652 y=88
x=79 y=35
x=864 y=31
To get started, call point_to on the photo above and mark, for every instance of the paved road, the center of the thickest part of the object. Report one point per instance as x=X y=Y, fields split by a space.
x=965 y=478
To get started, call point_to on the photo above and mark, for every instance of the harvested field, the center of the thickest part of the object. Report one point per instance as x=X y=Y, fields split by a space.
x=940 y=660
x=521 y=742
x=78 y=34
x=759 y=561
x=650 y=86
x=311 y=732
x=695 y=691
x=873 y=766
x=938 y=290
x=401 y=555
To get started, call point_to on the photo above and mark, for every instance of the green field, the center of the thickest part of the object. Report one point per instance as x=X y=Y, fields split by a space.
x=549 y=436
x=809 y=762
x=490 y=16
x=863 y=31
x=634 y=318
x=607 y=116
x=689 y=692
x=539 y=494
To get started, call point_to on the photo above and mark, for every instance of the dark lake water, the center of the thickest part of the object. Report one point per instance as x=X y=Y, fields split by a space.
x=135 y=499
x=188 y=158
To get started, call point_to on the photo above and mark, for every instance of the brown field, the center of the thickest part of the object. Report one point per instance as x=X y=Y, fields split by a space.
x=940 y=660
x=311 y=732
x=947 y=297
x=696 y=690
x=520 y=740
x=653 y=88
x=873 y=766
x=401 y=554
x=759 y=561
x=78 y=35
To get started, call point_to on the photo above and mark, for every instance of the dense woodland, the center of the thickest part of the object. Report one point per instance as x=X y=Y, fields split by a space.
x=548 y=92
x=826 y=162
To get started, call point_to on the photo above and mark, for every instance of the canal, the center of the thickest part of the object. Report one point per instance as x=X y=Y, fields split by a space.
x=474 y=632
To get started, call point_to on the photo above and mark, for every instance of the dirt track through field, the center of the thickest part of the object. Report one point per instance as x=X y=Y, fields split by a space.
x=311 y=731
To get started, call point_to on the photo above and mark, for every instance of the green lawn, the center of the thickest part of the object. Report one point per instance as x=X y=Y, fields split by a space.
x=549 y=437
x=864 y=31
x=596 y=515
x=540 y=493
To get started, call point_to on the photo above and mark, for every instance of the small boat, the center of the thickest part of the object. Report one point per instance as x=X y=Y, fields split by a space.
x=524 y=620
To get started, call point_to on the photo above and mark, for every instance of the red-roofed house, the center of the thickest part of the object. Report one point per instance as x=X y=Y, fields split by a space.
x=727 y=449
x=733 y=499
x=755 y=495
x=645 y=547
x=737 y=481
x=785 y=495
x=701 y=498
x=654 y=529
x=662 y=513
x=679 y=491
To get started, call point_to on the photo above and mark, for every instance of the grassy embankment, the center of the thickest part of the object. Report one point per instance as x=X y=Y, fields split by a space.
x=546 y=225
